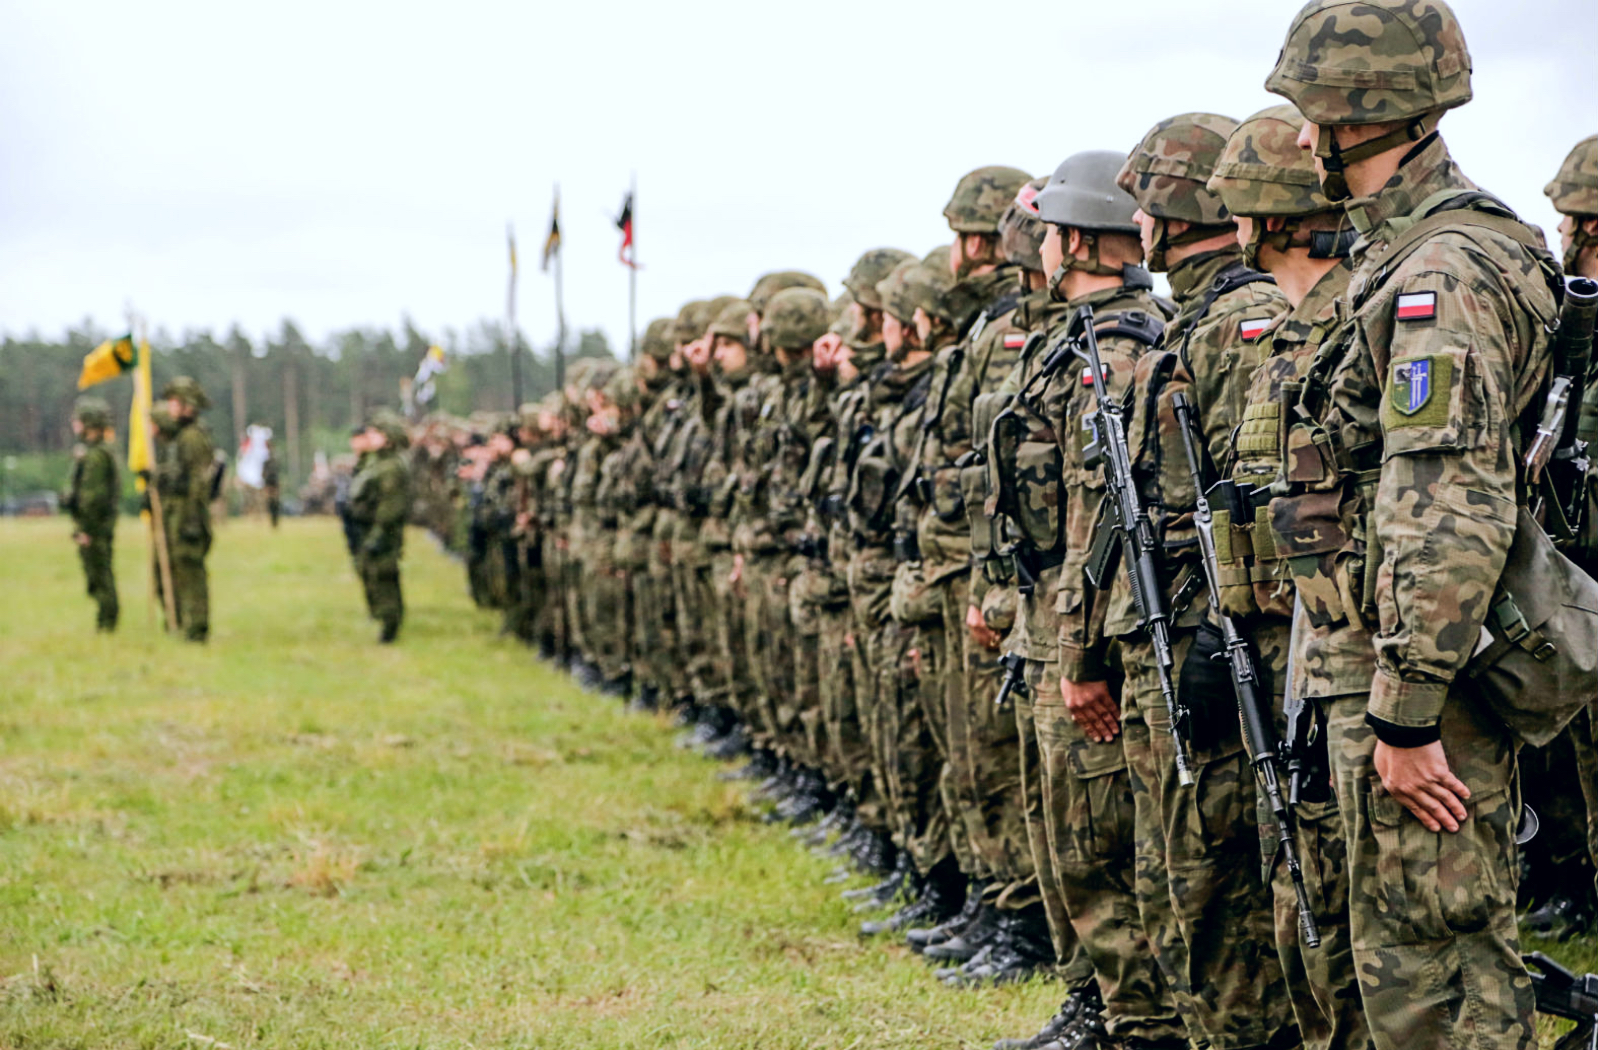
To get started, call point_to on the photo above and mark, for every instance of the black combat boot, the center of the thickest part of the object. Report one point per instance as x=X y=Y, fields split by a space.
x=1079 y=1008
x=875 y=854
x=942 y=895
x=884 y=893
x=975 y=935
x=646 y=699
x=919 y=940
x=1020 y=946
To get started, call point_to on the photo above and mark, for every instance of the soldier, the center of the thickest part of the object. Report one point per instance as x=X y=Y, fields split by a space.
x=1045 y=502
x=379 y=502
x=1203 y=903
x=1404 y=438
x=272 y=484
x=1289 y=230
x=1574 y=192
x=92 y=502
x=612 y=406
x=185 y=477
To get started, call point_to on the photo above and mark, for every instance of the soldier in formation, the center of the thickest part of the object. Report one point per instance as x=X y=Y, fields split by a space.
x=92 y=501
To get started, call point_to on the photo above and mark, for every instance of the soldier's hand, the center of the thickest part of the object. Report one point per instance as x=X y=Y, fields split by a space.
x=80 y=538
x=1419 y=777
x=1093 y=708
x=981 y=633
x=824 y=352
x=698 y=354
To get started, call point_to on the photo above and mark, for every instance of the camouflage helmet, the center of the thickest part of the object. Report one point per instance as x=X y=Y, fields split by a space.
x=794 y=318
x=691 y=321
x=768 y=286
x=930 y=286
x=187 y=390
x=980 y=199
x=391 y=426
x=1372 y=61
x=1082 y=193
x=869 y=269
x=1020 y=229
x=92 y=411
x=1574 y=190
x=1166 y=173
x=657 y=341
x=838 y=309
x=733 y=321
x=891 y=291
x=1262 y=171
x=621 y=389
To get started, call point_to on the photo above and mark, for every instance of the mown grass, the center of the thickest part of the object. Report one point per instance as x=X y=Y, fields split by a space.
x=296 y=838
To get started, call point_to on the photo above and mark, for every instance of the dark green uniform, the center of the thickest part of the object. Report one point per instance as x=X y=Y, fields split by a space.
x=184 y=479
x=92 y=502
x=379 y=499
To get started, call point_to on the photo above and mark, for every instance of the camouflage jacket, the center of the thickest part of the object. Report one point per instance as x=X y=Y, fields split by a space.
x=184 y=473
x=1403 y=470
x=777 y=419
x=883 y=426
x=1210 y=349
x=92 y=499
x=380 y=498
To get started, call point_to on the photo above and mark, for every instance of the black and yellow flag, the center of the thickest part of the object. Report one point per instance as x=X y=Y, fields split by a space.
x=552 y=242
x=108 y=360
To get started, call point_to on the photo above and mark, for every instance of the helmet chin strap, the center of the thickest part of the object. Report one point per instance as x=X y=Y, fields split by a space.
x=1089 y=265
x=1336 y=160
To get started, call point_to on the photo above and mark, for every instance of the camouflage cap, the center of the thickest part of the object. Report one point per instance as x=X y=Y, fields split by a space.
x=794 y=318
x=980 y=199
x=772 y=283
x=657 y=341
x=1020 y=229
x=187 y=390
x=92 y=411
x=1262 y=171
x=733 y=321
x=1082 y=193
x=891 y=291
x=691 y=320
x=1166 y=173
x=1574 y=190
x=930 y=286
x=1372 y=61
x=869 y=269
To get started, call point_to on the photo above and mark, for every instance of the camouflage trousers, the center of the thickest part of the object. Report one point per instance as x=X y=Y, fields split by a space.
x=846 y=709
x=381 y=578
x=917 y=606
x=1432 y=914
x=869 y=576
x=733 y=674
x=549 y=614
x=191 y=586
x=984 y=758
x=1089 y=819
x=101 y=581
x=576 y=567
x=809 y=595
x=659 y=642
x=911 y=765
x=768 y=638
x=694 y=604
x=1072 y=963
x=608 y=598
x=1206 y=906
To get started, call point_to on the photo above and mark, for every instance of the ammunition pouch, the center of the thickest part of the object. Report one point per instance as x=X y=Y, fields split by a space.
x=906 y=546
x=944 y=494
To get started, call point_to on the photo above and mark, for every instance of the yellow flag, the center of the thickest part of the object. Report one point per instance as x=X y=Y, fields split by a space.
x=107 y=361
x=139 y=418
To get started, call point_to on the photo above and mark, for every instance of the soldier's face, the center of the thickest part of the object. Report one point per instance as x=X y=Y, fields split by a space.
x=923 y=325
x=1052 y=251
x=1145 y=230
x=375 y=439
x=77 y=427
x=892 y=334
x=732 y=357
x=1245 y=229
x=648 y=368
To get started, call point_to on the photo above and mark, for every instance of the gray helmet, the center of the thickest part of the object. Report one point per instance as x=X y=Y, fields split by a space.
x=1082 y=193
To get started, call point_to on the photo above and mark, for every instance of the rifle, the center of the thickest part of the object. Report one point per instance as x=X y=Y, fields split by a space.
x=1561 y=993
x=1556 y=446
x=1014 y=678
x=1302 y=729
x=1128 y=523
x=1259 y=723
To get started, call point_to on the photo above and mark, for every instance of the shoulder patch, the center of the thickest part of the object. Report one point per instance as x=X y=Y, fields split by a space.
x=1417 y=306
x=1251 y=328
x=1014 y=340
x=1414 y=381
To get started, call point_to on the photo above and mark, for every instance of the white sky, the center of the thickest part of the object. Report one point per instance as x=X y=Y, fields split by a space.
x=345 y=164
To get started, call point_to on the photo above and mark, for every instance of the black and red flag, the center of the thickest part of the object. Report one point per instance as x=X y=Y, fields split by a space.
x=624 y=223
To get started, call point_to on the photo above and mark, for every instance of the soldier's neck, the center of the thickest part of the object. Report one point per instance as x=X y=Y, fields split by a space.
x=1078 y=283
x=1296 y=273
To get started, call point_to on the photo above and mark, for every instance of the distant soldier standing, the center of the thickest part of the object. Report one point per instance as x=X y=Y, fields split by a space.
x=1403 y=498
x=185 y=476
x=92 y=502
x=380 y=496
x=272 y=484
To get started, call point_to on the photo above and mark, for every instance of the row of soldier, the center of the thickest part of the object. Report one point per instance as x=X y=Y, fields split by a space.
x=834 y=536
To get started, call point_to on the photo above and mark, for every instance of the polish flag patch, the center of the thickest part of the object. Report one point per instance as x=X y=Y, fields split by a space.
x=1014 y=340
x=1087 y=377
x=1417 y=306
x=1252 y=328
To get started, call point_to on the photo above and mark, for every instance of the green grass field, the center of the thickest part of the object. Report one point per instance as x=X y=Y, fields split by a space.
x=296 y=838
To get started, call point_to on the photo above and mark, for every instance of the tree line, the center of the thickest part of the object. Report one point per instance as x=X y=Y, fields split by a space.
x=309 y=394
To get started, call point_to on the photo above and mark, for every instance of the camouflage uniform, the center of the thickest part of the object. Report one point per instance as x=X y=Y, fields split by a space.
x=92 y=502
x=1042 y=494
x=616 y=555
x=1263 y=174
x=185 y=475
x=1574 y=192
x=1401 y=511
x=380 y=500
x=1204 y=903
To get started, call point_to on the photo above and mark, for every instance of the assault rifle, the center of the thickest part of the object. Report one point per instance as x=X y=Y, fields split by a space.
x=1561 y=993
x=1014 y=665
x=1253 y=704
x=1128 y=525
x=1556 y=446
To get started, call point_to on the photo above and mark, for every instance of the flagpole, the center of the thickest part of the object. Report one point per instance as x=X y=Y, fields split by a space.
x=632 y=276
x=163 y=557
x=560 y=309
x=510 y=326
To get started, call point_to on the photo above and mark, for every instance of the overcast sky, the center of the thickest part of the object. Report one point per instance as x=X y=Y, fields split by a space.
x=347 y=164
